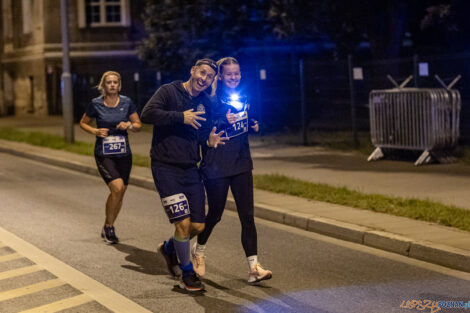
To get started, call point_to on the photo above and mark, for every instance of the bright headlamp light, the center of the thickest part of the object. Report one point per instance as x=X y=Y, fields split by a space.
x=235 y=102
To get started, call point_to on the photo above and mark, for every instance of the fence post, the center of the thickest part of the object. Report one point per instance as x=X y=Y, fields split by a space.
x=303 y=110
x=353 y=105
x=415 y=69
x=259 y=97
x=66 y=78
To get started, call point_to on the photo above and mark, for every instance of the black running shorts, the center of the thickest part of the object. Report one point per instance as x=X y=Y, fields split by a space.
x=112 y=168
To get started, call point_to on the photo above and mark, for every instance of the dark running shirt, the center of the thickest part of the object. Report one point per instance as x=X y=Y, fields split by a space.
x=174 y=142
x=109 y=118
x=234 y=157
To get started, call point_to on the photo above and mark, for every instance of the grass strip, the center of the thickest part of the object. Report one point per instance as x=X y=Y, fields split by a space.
x=408 y=207
x=423 y=210
x=57 y=142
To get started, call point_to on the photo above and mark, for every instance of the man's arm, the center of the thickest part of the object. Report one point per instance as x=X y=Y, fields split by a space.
x=156 y=110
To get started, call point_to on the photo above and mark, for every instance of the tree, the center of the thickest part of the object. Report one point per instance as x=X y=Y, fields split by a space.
x=180 y=31
x=344 y=23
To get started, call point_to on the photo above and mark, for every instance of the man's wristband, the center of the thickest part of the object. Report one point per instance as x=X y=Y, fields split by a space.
x=207 y=142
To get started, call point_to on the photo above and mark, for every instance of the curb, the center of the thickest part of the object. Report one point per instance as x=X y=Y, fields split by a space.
x=426 y=251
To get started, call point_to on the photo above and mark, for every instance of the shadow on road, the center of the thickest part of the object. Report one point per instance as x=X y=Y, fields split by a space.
x=147 y=262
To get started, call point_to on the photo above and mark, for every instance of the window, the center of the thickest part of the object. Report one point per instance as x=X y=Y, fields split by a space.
x=97 y=13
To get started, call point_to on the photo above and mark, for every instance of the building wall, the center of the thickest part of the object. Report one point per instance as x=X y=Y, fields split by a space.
x=22 y=59
x=33 y=58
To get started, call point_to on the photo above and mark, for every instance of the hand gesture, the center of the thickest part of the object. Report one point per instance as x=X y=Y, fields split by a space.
x=191 y=118
x=255 y=126
x=102 y=132
x=230 y=117
x=216 y=139
x=123 y=125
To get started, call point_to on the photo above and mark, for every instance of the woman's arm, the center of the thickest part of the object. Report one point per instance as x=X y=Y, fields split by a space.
x=134 y=124
x=85 y=125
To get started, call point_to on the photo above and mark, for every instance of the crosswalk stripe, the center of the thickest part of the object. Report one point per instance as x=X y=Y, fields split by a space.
x=26 y=290
x=61 y=305
x=100 y=293
x=10 y=257
x=20 y=271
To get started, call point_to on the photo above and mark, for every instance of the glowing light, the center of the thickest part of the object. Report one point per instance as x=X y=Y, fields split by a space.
x=234 y=97
x=234 y=101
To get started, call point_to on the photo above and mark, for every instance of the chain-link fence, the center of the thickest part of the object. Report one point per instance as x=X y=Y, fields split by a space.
x=289 y=93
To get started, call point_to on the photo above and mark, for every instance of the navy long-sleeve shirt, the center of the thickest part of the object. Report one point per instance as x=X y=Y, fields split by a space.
x=234 y=157
x=174 y=142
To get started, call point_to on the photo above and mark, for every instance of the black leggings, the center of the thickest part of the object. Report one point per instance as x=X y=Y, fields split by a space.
x=242 y=190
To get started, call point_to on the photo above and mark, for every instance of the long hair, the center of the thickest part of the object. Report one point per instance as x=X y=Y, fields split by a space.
x=220 y=64
x=100 y=86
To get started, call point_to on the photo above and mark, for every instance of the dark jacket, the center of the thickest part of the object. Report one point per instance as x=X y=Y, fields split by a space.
x=174 y=142
x=234 y=157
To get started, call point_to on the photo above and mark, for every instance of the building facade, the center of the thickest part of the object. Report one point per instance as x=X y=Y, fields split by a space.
x=102 y=33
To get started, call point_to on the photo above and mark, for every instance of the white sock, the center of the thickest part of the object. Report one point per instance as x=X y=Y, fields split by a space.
x=252 y=261
x=200 y=249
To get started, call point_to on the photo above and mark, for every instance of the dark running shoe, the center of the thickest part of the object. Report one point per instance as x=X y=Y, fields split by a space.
x=171 y=261
x=109 y=235
x=190 y=282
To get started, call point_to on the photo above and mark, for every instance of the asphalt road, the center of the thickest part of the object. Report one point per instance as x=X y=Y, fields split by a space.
x=61 y=212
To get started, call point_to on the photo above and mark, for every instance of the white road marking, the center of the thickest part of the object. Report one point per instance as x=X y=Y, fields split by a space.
x=95 y=290
x=61 y=305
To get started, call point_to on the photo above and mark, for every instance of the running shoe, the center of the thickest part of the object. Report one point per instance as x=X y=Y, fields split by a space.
x=190 y=282
x=171 y=260
x=199 y=262
x=258 y=273
x=108 y=234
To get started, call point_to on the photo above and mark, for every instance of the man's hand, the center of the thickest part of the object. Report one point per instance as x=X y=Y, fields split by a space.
x=255 y=126
x=230 y=117
x=216 y=139
x=191 y=118
x=101 y=132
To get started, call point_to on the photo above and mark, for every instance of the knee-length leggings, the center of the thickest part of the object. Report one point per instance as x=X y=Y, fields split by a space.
x=242 y=190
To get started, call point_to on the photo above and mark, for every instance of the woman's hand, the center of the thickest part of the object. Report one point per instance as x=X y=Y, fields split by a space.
x=123 y=125
x=101 y=132
x=255 y=126
x=231 y=118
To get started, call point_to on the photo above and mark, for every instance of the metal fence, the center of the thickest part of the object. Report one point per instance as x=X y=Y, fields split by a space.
x=326 y=97
x=414 y=119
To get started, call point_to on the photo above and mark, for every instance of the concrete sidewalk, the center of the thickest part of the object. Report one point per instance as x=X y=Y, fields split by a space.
x=425 y=241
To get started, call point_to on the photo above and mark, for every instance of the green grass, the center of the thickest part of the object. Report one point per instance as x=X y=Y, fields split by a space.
x=58 y=142
x=423 y=210
x=412 y=208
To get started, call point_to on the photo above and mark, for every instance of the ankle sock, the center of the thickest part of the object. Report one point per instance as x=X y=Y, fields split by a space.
x=252 y=261
x=200 y=249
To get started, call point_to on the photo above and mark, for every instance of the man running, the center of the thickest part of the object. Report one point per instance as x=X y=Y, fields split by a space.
x=176 y=110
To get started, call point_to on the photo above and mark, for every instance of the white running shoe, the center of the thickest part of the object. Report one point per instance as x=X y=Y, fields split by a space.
x=199 y=262
x=258 y=273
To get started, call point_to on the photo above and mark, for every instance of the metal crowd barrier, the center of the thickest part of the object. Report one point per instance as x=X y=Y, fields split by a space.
x=415 y=119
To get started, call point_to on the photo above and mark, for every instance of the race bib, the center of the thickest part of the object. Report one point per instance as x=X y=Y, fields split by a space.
x=176 y=206
x=240 y=125
x=113 y=145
